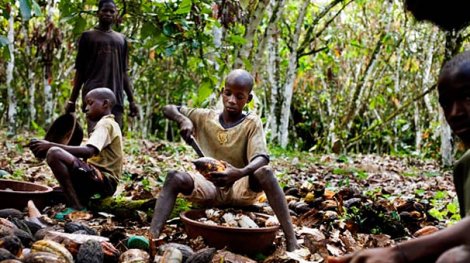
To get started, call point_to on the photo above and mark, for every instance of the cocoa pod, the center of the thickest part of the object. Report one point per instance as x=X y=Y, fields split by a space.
x=427 y=230
x=6 y=227
x=52 y=247
x=12 y=244
x=24 y=236
x=43 y=257
x=171 y=255
x=11 y=213
x=21 y=224
x=5 y=254
x=133 y=256
x=11 y=261
x=111 y=254
x=206 y=165
x=186 y=251
x=71 y=227
x=90 y=252
x=203 y=255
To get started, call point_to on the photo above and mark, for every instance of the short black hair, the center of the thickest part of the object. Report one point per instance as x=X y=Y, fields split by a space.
x=102 y=2
x=240 y=77
x=453 y=64
x=104 y=93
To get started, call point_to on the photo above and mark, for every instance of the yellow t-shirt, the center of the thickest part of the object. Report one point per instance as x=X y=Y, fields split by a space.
x=107 y=138
x=237 y=145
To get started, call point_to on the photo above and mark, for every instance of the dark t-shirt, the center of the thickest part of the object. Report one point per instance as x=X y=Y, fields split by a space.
x=102 y=62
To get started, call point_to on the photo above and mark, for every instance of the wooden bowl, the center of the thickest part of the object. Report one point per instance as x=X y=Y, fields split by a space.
x=236 y=239
x=16 y=194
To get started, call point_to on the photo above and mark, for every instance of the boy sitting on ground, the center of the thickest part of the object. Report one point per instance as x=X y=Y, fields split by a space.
x=236 y=138
x=94 y=168
x=451 y=245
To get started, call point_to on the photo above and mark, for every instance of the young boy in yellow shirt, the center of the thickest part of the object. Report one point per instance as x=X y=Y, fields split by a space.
x=239 y=140
x=94 y=168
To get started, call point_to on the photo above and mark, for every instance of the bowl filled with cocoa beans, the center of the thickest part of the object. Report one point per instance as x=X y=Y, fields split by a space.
x=238 y=231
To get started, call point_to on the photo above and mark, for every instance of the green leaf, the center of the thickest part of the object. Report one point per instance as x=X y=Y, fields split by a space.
x=453 y=208
x=3 y=41
x=184 y=7
x=236 y=39
x=79 y=25
x=25 y=9
x=65 y=9
x=204 y=91
x=6 y=53
x=244 y=4
x=148 y=30
x=168 y=29
x=36 y=8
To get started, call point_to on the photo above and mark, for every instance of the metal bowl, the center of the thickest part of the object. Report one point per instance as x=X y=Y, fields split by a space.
x=16 y=194
x=236 y=239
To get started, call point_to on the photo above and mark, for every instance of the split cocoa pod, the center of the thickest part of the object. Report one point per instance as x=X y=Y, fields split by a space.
x=206 y=165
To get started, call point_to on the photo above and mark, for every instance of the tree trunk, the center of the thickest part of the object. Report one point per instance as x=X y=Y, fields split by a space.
x=12 y=100
x=31 y=82
x=453 y=43
x=250 y=31
x=290 y=77
x=425 y=84
x=277 y=7
x=48 y=96
x=272 y=69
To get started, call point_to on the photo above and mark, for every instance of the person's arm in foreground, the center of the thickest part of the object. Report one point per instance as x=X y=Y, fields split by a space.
x=423 y=249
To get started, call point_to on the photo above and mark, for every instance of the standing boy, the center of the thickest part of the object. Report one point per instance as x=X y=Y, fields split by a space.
x=451 y=245
x=101 y=61
x=236 y=138
x=95 y=168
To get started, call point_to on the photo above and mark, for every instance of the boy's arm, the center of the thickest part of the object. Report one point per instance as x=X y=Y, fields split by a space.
x=255 y=164
x=85 y=152
x=186 y=125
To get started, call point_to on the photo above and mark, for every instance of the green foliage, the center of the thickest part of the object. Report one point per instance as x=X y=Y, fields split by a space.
x=181 y=205
x=181 y=50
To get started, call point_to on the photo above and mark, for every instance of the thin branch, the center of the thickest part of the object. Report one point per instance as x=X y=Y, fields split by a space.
x=311 y=52
x=392 y=115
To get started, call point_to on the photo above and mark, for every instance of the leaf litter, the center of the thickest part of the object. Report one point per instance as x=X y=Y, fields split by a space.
x=339 y=204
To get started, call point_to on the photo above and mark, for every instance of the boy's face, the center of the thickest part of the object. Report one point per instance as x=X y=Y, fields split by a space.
x=107 y=13
x=234 y=98
x=454 y=97
x=95 y=108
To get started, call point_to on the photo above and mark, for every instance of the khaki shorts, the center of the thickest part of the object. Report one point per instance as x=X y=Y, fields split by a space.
x=206 y=193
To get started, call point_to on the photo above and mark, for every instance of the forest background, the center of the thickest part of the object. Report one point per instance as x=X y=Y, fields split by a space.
x=331 y=75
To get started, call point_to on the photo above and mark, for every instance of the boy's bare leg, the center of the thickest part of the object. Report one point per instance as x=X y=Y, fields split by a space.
x=175 y=183
x=61 y=163
x=264 y=176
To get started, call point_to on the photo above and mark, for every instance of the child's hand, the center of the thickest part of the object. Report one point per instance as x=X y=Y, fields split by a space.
x=227 y=177
x=186 y=129
x=39 y=146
